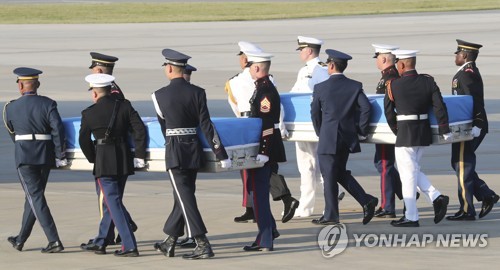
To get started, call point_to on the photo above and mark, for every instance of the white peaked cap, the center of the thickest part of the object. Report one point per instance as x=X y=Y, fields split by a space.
x=246 y=47
x=384 y=48
x=404 y=54
x=257 y=57
x=99 y=80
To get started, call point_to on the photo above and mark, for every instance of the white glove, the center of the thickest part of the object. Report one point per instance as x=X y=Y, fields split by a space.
x=139 y=163
x=476 y=131
x=61 y=162
x=361 y=137
x=261 y=158
x=226 y=163
x=284 y=133
x=447 y=136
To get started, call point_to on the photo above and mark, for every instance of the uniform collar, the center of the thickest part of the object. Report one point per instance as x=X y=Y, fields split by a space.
x=313 y=61
x=462 y=66
x=412 y=72
x=389 y=69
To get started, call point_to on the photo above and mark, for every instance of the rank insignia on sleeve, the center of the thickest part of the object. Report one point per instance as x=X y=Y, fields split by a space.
x=454 y=84
x=265 y=105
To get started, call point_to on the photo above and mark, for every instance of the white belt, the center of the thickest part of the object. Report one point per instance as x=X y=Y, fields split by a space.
x=36 y=137
x=277 y=126
x=412 y=117
x=180 y=131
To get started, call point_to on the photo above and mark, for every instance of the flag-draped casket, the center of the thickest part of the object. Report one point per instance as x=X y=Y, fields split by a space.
x=297 y=109
x=240 y=136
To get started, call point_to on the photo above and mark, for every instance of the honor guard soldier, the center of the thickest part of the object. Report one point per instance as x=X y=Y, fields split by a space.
x=468 y=81
x=240 y=89
x=265 y=104
x=187 y=242
x=109 y=121
x=104 y=64
x=182 y=108
x=340 y=113
x=384 y=159
x=411 y=96
x=309 y=75
x=36 y=129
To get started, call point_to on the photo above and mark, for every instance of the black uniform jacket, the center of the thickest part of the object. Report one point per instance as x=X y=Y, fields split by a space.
x=184 y=105
x=112 y=157
x=414 y=94
x=340 y=111
x=34 y=114
x=468 y=81
x=266 y=105
x=389 y=73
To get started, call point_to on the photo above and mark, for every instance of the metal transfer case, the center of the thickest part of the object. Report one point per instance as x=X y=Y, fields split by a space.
x=297 y=108
x=240 y=137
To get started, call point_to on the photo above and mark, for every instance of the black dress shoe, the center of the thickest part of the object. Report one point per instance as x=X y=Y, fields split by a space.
x=101 y=250
x=488 y=204
x=323 y=222
x=255 y=247
x=369 y=210
x=53 y=247
x=382 y=213
x=403 y=222
x=17 y=245
x=440 y=207
x=247 y=216
x=460 y=215
x=127 y=253
x=186 y=243
x=289 y=211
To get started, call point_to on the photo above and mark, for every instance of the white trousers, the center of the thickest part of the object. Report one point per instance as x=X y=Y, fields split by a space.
x=408 y=162
x=310 y=176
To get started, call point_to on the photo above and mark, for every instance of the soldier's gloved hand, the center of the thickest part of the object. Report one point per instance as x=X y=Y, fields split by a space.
x=139 y=163
x=61 y=162
x=476 y=131
x=226 y=163
x=361 y=137
x=284 y=133
x=261 y=158
x=447 y=136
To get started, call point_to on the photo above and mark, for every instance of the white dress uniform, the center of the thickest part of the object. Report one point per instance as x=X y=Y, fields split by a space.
x=240 y=89
x=309 y=75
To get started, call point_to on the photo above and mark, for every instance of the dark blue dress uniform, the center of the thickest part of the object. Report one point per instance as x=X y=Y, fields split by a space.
x=113 y=159
x=36 y=129
x=181 y=108
x=384 y=158
x=468 y=81
x=265 y=104
x=340 y=111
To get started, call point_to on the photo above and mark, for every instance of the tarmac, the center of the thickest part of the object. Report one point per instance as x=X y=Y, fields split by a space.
x=62 y=52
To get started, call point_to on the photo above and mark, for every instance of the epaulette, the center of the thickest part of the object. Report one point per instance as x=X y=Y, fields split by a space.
x=323 y=64
x=469 y=68
x=234 y=76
